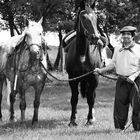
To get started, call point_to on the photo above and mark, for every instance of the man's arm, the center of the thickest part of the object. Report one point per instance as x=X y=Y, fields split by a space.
x=109 y=67
x=132 y=77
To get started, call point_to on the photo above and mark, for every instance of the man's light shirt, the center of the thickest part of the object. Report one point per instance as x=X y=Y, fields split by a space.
x=127 y=62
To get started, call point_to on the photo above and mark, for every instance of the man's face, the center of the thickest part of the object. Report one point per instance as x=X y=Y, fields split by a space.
x=127 y=37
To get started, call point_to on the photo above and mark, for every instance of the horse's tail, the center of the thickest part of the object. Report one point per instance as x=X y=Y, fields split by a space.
x=7 y=89
x=83 y=86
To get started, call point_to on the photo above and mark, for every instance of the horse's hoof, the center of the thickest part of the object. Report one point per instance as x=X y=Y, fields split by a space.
x=72 y=124
x=35 y=124
x=23 y=124
x=12 y=120
x=90 y=122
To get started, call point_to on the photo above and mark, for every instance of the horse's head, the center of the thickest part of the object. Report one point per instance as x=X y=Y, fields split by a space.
x=88 y=19
x=87 y=32
x=33 y=33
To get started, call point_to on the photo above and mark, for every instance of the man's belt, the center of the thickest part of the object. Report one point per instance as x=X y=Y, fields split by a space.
x=122 y=77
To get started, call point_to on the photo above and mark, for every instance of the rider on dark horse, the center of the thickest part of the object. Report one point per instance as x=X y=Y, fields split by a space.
x=81 y=6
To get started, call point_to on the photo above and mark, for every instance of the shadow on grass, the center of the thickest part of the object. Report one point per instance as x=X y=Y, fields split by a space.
x=27 y=125
x=53 y=124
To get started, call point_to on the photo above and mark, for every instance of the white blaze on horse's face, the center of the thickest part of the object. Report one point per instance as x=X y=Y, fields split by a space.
x=93 y=19
x=34 y=32
x=89 y=22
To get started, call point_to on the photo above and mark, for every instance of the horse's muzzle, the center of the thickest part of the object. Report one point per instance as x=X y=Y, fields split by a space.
x=93 y=39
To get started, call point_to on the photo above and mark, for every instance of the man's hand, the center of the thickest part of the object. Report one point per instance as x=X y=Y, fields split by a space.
x=131 y=79
x=97 y=71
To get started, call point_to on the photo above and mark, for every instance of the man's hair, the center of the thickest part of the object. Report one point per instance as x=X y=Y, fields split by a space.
x=132 y=33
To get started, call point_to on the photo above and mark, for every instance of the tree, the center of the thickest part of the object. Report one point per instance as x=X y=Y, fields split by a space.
x=7 y=12
x=15 y=12
x=120 y=13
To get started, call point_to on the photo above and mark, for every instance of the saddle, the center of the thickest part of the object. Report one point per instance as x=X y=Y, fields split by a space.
x=68 y=39
x=102 y=42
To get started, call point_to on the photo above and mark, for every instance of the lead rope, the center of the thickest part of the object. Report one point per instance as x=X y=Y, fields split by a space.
x=76 y=78
x=72 y=79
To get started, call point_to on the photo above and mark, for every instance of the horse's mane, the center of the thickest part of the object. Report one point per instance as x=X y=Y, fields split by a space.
x=3 y=60
x=16 y=45
x=7 y=48
x=80 y=8
x=23 y=53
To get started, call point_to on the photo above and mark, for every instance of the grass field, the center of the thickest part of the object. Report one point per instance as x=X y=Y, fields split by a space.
x=54 y=114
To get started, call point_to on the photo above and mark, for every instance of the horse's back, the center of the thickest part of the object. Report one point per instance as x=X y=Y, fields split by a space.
x=68 y=38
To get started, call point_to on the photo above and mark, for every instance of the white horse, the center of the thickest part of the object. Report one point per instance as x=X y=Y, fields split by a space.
x=6 y=49
x=32 y=36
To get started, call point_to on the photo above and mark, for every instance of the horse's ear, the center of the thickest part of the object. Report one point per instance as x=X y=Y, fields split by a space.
x=41 y=20
x=93 y=4
x=26 y=22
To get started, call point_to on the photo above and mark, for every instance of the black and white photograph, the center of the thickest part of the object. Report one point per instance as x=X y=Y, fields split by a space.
x=69 y=69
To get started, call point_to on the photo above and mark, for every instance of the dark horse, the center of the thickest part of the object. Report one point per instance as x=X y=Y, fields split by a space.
x=23 y=69
x=83 y=56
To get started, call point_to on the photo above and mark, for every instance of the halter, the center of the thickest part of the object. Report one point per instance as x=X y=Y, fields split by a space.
x=34 y=44
x=24 y=46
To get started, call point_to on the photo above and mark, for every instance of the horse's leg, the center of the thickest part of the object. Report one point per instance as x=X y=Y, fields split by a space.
x=12 y=101
x=90 y=101
x=38 y=91
x=74 y=101
x=91 y=94
x=22 y=105
x=1 y=86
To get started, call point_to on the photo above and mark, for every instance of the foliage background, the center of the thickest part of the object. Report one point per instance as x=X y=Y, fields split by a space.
x=60 y=16
x=62 y=12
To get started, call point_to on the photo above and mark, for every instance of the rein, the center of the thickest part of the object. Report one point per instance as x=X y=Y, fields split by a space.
x=76 y=78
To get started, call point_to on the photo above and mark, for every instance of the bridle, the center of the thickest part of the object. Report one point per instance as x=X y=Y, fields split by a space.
x=28 y=46
x=35 y=45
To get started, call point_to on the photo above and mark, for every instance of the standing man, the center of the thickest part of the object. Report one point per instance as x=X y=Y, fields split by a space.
x=126 y=62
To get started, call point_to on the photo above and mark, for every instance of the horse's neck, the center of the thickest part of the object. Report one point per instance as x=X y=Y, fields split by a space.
x=81 y=41
x=95 y=56
x=33 y=61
